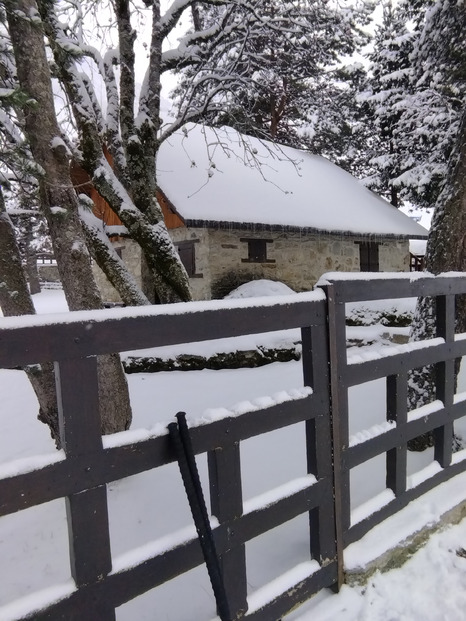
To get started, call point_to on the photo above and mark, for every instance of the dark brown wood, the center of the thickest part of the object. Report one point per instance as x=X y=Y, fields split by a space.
x=111 y=330
x=423 y=355
x=339 y=423
x=82 y=476
x=358 y=530
x=90 y=554
x=78 y=406
x=397 y=411
x=318 y=438
x=226 y=499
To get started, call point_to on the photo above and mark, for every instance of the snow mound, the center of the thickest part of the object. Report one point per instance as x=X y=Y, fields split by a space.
x=259 y=288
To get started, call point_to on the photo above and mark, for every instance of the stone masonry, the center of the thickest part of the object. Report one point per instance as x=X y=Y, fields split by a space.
x=297 y=259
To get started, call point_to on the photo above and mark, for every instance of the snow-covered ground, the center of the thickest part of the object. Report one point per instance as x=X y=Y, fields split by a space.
x=33 y=543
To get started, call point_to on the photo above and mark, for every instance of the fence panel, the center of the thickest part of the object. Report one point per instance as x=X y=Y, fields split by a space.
x=81 y=477
x=402 y=426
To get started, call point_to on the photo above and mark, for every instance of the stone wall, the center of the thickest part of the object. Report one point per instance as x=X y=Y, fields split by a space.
x=298 y=260
x=200 y=283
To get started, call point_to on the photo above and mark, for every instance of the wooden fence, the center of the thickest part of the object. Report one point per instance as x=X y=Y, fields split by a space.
x=82 y=477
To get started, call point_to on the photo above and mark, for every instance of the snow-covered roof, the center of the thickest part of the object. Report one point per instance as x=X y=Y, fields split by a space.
x=218 y=175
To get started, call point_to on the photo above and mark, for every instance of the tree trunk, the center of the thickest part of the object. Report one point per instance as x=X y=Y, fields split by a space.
x=135 y=205
x=31 y=262
x=446 y=251
x=58 y=198
x=15 y=299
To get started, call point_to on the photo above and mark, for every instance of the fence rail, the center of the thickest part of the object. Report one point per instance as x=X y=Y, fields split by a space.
x=82 y=475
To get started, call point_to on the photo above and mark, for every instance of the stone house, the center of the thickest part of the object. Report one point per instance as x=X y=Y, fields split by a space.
x=239 y=208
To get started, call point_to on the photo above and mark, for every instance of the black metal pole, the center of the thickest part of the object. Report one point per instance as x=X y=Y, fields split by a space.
x=181 y=440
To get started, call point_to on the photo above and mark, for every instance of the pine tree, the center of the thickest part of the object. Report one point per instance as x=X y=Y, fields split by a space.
x=383 y=98
x=284 y=63
x=442 y=54
x=434 y=103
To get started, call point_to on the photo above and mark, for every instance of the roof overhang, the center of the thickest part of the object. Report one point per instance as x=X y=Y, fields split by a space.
x=259 y=227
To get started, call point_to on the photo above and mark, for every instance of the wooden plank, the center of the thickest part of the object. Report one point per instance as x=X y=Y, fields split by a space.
x=78 y=406
x=80 y=472
x=392 y=364
x=357 y=531
x=82 y=338
x=322 y=527
x=339 y=423
x=445 y=317
x=382 y=288
x=324 y=577
x=226 y=500
x=80 y=433
x=87 y=517
x=397 y=411
x=445 y=379
x=445 y=391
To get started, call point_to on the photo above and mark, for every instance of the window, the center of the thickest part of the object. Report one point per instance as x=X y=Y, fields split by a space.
x=187 y=256
x=257 y=250
x=368 y=256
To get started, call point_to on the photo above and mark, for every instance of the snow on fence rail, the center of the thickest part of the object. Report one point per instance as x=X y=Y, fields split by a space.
x=72 y=341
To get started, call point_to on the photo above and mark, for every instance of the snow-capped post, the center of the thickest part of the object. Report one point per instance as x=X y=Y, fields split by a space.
x=181 y=441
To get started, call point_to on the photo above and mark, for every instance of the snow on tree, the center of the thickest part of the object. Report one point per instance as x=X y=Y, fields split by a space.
x=433 y=105
x=383 y=99
x=58 y=200
x=283 y=62
x=447 y=238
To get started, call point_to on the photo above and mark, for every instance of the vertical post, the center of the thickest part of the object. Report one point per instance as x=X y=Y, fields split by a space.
x=445 y=379
x=397 y=410
x=318 y=441
x=87 y=512
x=339 y=419
x=226 y=501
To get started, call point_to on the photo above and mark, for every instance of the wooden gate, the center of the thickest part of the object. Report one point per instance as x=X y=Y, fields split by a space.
x=83 y=476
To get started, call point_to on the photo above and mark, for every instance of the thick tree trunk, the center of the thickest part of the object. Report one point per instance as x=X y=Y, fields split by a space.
x=58 y=198
x=135 y=205
x=15 y=299
x=446 y=251
x=31 y=262
x=109 y=262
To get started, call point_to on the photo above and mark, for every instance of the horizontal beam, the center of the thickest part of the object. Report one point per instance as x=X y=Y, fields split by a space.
x=76 y=474
x=116 y=330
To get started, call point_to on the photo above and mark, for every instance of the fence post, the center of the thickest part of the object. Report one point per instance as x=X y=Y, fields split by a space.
x=319 y=442
x=226 y=500
x=445 y=378
x=336 y=318
x=397 y=410
x=87 y=511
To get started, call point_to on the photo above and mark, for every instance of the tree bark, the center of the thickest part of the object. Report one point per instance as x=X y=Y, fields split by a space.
x=15 y=299
x=446 y=251
x=31 y=261
x=136 y=205
x=58 y=198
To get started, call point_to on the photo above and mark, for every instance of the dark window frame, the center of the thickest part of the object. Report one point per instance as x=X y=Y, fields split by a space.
x=257 y=250
x=369 y=256
x=186 y=250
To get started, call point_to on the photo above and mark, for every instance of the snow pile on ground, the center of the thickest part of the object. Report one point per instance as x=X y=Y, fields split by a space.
x=385 y=312
x=429 y=587
x=259 y=288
